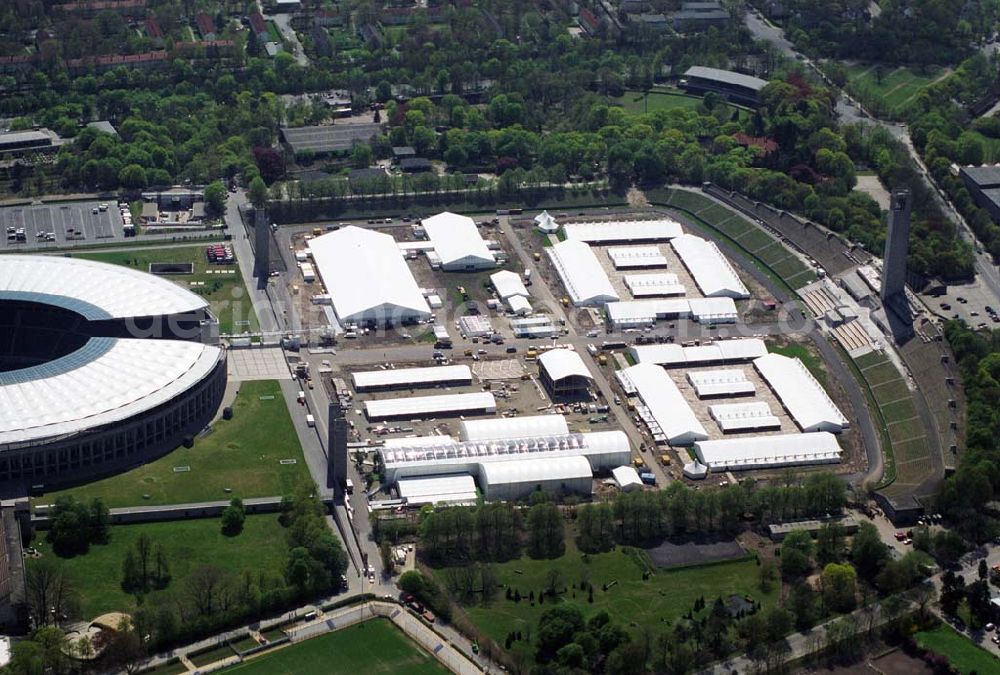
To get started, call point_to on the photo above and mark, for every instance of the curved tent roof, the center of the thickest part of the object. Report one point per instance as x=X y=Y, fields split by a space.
x=560 y=363
x=503 y=428
x=586 y=281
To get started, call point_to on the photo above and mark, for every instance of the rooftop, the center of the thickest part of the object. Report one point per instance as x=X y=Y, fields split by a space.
x=328 y=137
x=582 y=275
x=726 y=77
x=561 y=363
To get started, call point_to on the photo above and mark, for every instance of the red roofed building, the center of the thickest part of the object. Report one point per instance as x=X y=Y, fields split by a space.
x=111 y=61
x=206 y=26
x=588 y=21
x=259 y=26
x=127 y=7
x=153 y=30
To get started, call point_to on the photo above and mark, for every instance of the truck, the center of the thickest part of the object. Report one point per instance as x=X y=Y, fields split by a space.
x=527 y=277
x=310 y=420
x=317 y=231
x=647 y=478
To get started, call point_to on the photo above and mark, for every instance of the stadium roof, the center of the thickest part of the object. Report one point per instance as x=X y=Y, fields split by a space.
x=457 y=489
x=727 y=382
x=457 y=241
x=328 y=138
x=410 y=376
x=418 y=406
x=628 y=230
x=637 y=256
x=581 y=273
x=508 y=283
x=130 y=376
x=95 y=290
x=366 y=276
x=645 y=285
x=503 y=428
x=710 y=269
x=769 y=451
x=665 y=403
x=722 y=351
x=536 y=470
x=726 y=77
x=804 y=398
x=560 y=363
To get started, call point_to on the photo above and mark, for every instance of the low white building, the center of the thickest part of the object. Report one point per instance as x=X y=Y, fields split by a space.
x=802 y=395
x=457 y=242
x=545 y=223
x=713 y=273
x=508 y=283
x=645 y=313
x=636 y=257
x=415 y=407
x=763 y=452
x=720 y=352
x=666 y=413
x=653 y=285
x=725 y=383
x=741 y=417
x=627 y=479
x=623 y=231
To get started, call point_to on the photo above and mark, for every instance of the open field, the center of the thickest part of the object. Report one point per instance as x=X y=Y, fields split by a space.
x=242 y=454
x=896 y=87
x=170 y=668
x=371 y=647
x=226 y=292
x=657 y=99
x=963 y=654
x=188 y=545
x=665 y=596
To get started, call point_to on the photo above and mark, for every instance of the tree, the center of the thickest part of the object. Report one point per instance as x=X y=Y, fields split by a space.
x=545 y=531
x=796 y=554
x=133 y=177
x=233 y=517
x=258 y=193
x=361 y=156
x=839 y=587
x=51 y=595
x=867 y=551
x=215 y=198
x=556 y=628
x=829 y=543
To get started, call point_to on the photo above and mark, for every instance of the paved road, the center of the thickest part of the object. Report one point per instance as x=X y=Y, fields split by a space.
x=283 y=21
x=851 y=111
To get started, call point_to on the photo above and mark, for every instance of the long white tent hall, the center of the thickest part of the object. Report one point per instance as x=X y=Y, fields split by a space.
x=801 y=394
x=585 y=280
x=711 y=270
x=644 y=313
x=737 y=350
x=367 y=278
x=610 y=231
x=433 y=376
x=726 y=382
x=748 y=416
x=663 y=408
x=653 y=285
x=475 y=403
x=764 y=452
x=631 y=257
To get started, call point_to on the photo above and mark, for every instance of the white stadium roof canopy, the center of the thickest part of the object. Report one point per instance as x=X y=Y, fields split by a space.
x=508 y=284
x=94 y=290
x=457 y=241
x=711 y=270
x=128 y=376
x=560 y=363
x=666 y=405
x=366 y=277
x=769 y=451
x=582 y=274
x=627 y=230
x=804 y=398
x=395 y=377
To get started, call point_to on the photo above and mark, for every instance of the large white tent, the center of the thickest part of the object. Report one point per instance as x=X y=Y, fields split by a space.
x=720 y=352
x=801 y=394
x=642 y=313
x=609 y=231
x=582 y=275
x=761 y=452
x=710 y=269
x=512 y=427
x=367 y=278
x=668 y=413
x=457 y=242
x=508 y=283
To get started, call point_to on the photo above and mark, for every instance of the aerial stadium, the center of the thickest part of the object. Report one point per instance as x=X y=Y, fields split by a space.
x=102 y=368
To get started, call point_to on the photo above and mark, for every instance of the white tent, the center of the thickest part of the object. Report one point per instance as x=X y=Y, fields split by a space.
x=585 y=280
x=546 y=223
x=457 y=242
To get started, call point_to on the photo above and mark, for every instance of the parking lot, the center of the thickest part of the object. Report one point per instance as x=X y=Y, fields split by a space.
x=68 y=223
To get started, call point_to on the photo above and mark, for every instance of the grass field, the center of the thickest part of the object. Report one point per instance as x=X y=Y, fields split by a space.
x=963 y=654
x=188 y=544
x=374 y=647
x=665 y=596
x=895 y=87
x=226 y=293
x=658 y=99
x=170 y=668
x=242 y=454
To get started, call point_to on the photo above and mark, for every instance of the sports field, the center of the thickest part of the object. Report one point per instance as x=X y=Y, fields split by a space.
x=664 y=596
x=373 y=647
x=221 y=285
x=242 y=455
x=894 y=87
x=657 y=99
x=963 y=654
x=188 y=544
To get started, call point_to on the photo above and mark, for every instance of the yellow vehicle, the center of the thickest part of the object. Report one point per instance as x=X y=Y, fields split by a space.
x=602 y=359
x=538 y=256
x=468 y=352
x=665 y=460
x=565 y=302
x=638 y=462
x=317 y=231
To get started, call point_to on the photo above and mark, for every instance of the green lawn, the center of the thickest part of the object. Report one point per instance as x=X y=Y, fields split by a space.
x=963 y=654
x=373 y=647
x=896 y=87
x=810 y=359
x=188 y=544
x=226 y=293
x=665 y=596
x=242 y=454
x=657 y=99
